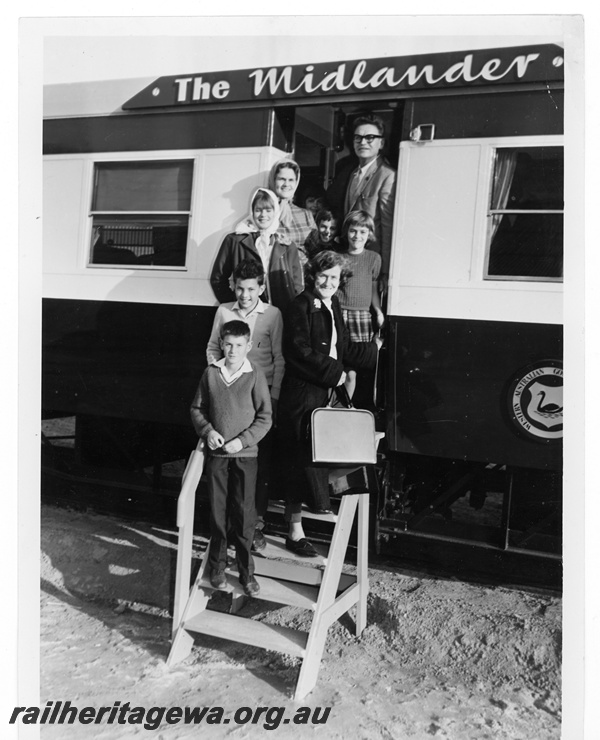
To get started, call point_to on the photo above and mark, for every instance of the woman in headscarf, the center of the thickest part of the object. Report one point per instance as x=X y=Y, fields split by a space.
x=258 y=237
x=294 y=222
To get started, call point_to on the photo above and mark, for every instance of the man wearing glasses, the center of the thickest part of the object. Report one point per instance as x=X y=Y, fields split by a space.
x=371 y=186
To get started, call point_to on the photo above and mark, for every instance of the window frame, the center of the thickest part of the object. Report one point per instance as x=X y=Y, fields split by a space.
x=170 y=156
x=515 y=144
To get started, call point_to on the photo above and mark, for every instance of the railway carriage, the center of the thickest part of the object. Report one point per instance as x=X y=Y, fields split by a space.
x=142 y=184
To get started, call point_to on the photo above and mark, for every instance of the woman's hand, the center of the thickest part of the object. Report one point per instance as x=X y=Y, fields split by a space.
x=214 y=440
x=342 y=379
x=274 y=410
x=233 y=446
x=378 y=341
x=379 y=318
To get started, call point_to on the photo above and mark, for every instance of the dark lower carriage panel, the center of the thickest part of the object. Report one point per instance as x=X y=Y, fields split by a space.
x=474 y=430
x=465 y=488
x=117 y=382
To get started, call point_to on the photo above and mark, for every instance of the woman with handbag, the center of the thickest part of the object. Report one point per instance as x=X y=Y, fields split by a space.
x=316 y=348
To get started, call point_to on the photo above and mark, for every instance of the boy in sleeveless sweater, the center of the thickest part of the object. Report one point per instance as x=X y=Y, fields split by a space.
x=232 y=412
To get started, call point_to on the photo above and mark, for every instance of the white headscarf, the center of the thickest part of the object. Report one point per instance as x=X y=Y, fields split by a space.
x=263 y=243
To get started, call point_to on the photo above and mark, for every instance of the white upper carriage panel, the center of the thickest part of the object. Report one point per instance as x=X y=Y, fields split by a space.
x=478 y=229
x=92 y=194
x=143 y=179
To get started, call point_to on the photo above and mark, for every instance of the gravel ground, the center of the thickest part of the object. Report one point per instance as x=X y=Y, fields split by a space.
x=439 y=658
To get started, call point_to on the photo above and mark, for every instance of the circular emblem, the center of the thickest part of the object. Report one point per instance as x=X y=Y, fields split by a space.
x=535 y=400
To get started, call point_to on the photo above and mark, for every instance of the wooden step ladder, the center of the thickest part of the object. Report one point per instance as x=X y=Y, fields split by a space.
x=322 y=588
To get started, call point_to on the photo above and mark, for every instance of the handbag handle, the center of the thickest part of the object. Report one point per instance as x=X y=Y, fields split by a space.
x=343 y=397
x=375 y=388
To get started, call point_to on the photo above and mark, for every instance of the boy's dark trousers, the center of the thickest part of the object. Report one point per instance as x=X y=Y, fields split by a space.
x=263 y=477
x=231 y=486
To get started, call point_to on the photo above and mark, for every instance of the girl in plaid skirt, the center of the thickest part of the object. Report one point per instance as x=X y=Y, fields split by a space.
x=359 y=298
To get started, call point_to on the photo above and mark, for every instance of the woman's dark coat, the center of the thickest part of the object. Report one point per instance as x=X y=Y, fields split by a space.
x=285 y=273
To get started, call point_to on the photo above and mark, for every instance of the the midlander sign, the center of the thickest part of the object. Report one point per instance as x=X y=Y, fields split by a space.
x=543 y=63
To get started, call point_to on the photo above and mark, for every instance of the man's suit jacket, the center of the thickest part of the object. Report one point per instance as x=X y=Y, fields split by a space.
x=375 y=195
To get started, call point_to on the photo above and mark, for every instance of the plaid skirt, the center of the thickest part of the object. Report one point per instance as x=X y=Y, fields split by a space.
x=359 y=325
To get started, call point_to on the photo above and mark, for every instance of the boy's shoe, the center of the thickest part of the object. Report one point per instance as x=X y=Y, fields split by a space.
x=258 y=541
x=218 y=579
x=250 y=586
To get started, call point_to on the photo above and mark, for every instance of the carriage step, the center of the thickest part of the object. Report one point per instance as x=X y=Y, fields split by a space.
x=249 y=632
x=279 y=591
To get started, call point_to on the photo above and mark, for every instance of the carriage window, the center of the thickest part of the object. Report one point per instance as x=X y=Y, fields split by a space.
x=141 y=213
x=525 y=230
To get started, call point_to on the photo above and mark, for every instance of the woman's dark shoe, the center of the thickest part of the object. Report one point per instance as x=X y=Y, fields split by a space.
x=301 y=547
x=321 y=511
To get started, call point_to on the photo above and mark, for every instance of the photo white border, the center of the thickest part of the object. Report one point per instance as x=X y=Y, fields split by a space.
x=23 y=589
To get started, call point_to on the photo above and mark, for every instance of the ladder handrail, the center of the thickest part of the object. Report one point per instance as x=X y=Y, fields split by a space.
x=189 y=483
x=185 y=522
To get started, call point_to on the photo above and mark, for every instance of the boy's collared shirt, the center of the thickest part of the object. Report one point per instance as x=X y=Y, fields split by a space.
x=260 y=307
x=266 y=332
x=232 y=377
x=250 y=318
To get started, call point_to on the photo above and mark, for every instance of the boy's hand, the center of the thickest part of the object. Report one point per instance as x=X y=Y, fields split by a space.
x=214 y=440
x=379 y=318
x=233 y=446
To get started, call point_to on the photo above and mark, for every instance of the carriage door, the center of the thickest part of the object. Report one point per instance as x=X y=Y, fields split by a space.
x=313 y=148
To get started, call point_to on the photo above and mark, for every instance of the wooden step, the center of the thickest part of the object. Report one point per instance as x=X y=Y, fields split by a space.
x=271 y=589
x=276 y=549
x=278 y=507
x=286 y=570
x=249 y=632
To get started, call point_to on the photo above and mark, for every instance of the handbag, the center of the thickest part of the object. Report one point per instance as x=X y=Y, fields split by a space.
x=343 y=435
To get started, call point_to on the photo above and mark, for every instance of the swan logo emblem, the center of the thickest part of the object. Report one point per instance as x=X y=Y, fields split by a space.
x=536 y=400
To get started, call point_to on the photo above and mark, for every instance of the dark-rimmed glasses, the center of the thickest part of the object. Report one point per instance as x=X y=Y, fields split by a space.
x=369 y=138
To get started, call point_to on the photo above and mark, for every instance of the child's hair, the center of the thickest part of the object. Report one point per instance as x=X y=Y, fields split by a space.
x=325 y=260
x=324 y=214
x=235 y=328
x=248 y=270
x=359 y=218
x=261 y=199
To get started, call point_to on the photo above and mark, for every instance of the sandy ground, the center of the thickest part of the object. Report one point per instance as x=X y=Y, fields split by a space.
x=440 y=658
